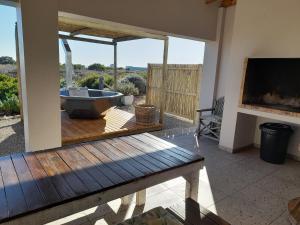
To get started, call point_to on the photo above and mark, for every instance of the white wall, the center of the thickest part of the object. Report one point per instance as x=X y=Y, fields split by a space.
x=269 y=28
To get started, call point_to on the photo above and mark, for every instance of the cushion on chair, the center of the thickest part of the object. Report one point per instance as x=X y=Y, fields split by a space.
x=156 y=216
x=79 y=92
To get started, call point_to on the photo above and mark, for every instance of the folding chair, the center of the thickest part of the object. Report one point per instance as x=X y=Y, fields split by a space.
x=210 y=124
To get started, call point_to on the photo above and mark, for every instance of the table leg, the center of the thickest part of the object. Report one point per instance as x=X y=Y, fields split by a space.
x=141 y=197
x=126 y=200
x=192 y=185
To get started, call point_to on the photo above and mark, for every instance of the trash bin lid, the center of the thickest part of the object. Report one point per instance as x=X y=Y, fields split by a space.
x=276 y=127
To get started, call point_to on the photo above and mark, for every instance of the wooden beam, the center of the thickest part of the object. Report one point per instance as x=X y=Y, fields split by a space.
x=77 y=32
x=115 y=66
x=223 y=3
x=228 y=3
x=85 y=39
x=127 y=38
x=164 y=74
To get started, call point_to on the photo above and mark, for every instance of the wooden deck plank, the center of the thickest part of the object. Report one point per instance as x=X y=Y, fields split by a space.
x=149 y=157
x=3 y=201
x=135 y=167
x=57 y=178
x=173 y=151
x=63 y=169
x=115 y=178
x=75 y=163
x=33 y=197
x=116 y=123
x=42 y=179
x=131 y=159
x=83 y=163
x=14 y=194
x=113 y=165
x=129 y=150
x=159 y=155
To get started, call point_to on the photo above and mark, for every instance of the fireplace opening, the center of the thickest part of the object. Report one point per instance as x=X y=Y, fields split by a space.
x=273 y=83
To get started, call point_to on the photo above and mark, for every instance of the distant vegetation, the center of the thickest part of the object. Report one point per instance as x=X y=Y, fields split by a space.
x=4 y=60
x=91 y=80
x=97 y=67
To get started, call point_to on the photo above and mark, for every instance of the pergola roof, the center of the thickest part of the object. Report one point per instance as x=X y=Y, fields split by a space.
x=74 y=29
x=104 y=30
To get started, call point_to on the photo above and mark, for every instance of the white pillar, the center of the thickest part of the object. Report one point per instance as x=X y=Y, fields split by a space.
x=211 y=62
x=39 y=69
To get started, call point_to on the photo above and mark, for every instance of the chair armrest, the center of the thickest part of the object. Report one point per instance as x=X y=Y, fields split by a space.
x=205 y=110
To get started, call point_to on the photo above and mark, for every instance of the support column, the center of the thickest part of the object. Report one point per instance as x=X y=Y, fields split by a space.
x=115 y=65
x=211 y=62
x=39 y=70
x=164 y=74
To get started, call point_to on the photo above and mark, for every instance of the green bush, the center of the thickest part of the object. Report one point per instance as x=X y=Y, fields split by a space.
x=97 y=67
x=138 y=81
x=10 y=105
x=91 y=80
x=127 y=88
x=8 y=87
x=7 y=60
x=62 y=83
x=78 y=67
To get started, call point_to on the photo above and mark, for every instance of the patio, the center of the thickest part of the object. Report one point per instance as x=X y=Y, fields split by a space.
x=240 y=188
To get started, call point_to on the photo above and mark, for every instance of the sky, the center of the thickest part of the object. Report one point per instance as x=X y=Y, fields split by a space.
x=130 y=53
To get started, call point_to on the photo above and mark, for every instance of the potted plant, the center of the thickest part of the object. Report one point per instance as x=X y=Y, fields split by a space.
x=128 y=90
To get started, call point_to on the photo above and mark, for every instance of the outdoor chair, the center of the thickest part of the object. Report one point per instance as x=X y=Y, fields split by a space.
x=210 y=124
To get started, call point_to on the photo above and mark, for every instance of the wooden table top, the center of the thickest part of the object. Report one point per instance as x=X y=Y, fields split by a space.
x=30 y=182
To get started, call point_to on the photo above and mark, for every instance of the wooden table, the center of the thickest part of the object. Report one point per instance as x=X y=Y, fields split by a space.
x=36 y=188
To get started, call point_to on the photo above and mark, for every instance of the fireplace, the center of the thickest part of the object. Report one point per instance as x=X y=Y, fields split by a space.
x=272 y=83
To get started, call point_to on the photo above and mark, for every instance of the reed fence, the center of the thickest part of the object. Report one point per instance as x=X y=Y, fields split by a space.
x=182 y=88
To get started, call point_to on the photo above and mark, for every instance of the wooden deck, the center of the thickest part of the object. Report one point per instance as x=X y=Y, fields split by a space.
x=31 y=183
x=116 y=123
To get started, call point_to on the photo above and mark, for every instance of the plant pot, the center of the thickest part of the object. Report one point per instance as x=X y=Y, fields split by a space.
x=127 y=99
x=145 y=114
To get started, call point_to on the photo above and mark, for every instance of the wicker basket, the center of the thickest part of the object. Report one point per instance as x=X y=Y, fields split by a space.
x=145 y=114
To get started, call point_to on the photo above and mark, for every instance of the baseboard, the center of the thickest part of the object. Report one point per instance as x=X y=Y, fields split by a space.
x=236 y=150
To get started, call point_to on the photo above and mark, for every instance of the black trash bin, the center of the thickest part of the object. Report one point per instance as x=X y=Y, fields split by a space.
x=274 y=142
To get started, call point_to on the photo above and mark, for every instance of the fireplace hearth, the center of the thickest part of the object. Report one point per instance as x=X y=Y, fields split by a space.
x=272 y=83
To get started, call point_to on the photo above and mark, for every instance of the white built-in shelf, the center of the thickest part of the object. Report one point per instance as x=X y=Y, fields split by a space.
x=269 y=115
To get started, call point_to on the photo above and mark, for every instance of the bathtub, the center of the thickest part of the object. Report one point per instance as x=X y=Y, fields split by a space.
x=91 y=107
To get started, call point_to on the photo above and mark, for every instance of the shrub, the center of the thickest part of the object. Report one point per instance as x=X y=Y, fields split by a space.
x=7 y=60
x=62 y=82
x=78 y=67
x=127 y=88
x=138 y=82
x=96 y=67
x=91 y=80
x=10 y=105
x=8 y=86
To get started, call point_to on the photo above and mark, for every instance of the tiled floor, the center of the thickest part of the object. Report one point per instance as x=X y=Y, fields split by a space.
x=240 y=188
